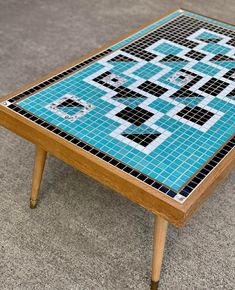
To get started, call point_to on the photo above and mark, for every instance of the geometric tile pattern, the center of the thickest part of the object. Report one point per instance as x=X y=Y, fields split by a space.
x=69 y=107
x=159 y=105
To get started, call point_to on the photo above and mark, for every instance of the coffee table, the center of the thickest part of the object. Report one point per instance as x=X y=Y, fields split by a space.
x=151 y=115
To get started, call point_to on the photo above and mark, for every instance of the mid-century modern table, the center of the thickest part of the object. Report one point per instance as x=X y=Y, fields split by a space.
x=152 y=116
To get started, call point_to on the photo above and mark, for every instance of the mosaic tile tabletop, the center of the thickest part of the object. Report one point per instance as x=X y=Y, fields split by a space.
x=159 y=105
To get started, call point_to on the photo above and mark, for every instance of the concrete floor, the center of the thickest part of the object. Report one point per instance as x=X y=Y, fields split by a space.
x=83 y=236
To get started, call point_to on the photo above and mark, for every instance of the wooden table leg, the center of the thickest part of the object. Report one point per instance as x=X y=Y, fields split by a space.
x=39 y=163
x=160 y=230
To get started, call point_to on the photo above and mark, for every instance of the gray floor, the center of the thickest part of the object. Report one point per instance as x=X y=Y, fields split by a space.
x=83 y=235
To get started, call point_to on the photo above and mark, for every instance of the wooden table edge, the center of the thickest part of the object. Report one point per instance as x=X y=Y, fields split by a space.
x=132 y=188
x=135 y=190
x=209 y=185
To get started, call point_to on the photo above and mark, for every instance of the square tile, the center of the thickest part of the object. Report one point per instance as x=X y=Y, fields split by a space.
x=69 y=107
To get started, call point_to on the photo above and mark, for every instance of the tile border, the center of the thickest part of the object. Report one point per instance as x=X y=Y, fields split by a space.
x=180 y=195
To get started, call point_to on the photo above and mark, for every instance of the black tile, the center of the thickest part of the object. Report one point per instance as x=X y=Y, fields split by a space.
x=94 y=151
x=100 y=154
x=120 y=165
x=195 y=55
x=171 y=193
x=123 y=92
x=69 y=137
x=87 y=147
x=99 y=79
x=135 y=116
x=185 y=93
x=184 y=193
x=81 y=144
x=135 y=50
x=141 y=176
x=163 y=189
x=127 y=169
x=107 y=158
x=173 y=58
x=57 y=131
x=69 y=103
x=39 y=121
x=11 y=106
x=149 y=181
x=192 y=184
x=197 y=115
x=62 y=134
x=152 y=89
x=221 y=57
x=156 y=185
x=214 y=86
x=16 y=109
x=33 y=118
x=113 y=162
x=230 y=74
x=75 y=141
x=50 y=127
x=134 y=173
x=121 y=58
x=142 y=139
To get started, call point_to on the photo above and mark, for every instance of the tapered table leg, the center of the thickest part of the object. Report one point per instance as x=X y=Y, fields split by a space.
x=160 y=230
x=39 y=163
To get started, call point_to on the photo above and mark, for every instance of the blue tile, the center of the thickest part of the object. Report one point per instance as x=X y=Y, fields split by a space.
x=186 y=148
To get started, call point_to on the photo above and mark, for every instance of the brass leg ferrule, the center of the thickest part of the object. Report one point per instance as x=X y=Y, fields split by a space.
x=33 y=203
x=154 y=285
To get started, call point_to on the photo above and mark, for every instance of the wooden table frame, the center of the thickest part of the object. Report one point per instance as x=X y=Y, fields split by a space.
x=165 y=209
